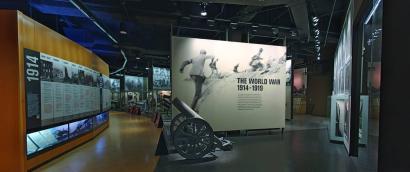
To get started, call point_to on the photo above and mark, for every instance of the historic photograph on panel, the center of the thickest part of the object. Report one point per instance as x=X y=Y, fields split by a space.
x=68 y=72
x=74 y=73
x=46 y=68
x=88 y=79
x=134 y=83
x=58 y=70
x=107 y=83
x=162 y=78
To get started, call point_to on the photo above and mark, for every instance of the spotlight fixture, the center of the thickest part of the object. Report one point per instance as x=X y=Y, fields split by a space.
x=315 y=23
x=293 y=33
x=147 y=68
x=122 y=28
x=315 y=19
x=138 y=58
x=203 y=11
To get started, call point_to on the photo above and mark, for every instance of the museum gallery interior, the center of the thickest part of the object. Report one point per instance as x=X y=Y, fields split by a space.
x=204 y=85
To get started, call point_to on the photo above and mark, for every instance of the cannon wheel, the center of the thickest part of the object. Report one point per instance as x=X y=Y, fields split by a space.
x=176 y=121
x=193 y=138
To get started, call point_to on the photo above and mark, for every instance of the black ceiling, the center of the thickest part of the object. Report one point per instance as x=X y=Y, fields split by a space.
x=148 y=24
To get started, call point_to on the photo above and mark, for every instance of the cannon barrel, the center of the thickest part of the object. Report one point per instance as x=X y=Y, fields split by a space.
x=185 y=109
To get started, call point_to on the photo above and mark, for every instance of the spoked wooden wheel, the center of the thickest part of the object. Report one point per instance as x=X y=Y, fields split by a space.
x=193 y=138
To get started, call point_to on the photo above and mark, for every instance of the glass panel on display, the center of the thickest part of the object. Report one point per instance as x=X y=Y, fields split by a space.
x=40 y=140
x=80 y=127
x=162 y=78
x=58 y=90
x=341 y=96
x=371 y=68
x=100 y=119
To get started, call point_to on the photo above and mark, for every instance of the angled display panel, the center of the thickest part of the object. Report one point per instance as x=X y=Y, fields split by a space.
x=341 y=107
x=100 y=119
x=80 y=127
x=43 y=139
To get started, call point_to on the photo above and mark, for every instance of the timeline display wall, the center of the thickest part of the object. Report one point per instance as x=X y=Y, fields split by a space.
x=161 y=78
x=49 y=83
x=233 y=86
x=58 y=90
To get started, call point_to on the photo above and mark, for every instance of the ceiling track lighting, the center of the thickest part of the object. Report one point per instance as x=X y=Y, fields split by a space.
x=81 y=7
x=315 y=23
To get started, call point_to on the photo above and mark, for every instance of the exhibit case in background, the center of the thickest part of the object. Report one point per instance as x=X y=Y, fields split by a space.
x=135 y=92
x=161 y=77
x=338 y=112
x=289 y=89
x=116 y=93
x=300 y=79
x=55 y=94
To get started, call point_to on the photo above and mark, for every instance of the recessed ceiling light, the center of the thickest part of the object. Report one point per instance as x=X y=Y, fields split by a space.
x=122 y=28
x=204 y=13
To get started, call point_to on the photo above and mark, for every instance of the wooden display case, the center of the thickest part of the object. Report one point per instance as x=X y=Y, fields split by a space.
x=19 y=32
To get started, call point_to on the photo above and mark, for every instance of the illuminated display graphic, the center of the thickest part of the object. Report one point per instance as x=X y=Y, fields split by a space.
x=162 y=78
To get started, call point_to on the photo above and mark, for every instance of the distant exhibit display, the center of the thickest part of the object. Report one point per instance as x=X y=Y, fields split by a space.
x=289 y=89
x=115 y=85
x=59 y=91
x=234 y=86
x=134 y=83
x=162 y=78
